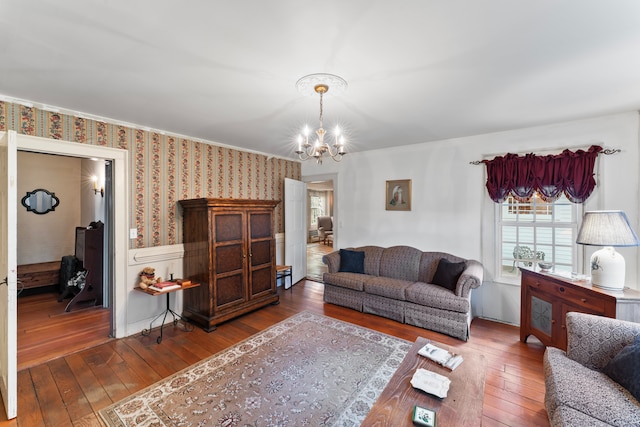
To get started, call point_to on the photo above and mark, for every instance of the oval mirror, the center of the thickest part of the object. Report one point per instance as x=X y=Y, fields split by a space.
x=40 y=201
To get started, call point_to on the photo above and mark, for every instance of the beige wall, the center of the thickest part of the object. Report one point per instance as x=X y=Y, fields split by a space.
x=48 y=237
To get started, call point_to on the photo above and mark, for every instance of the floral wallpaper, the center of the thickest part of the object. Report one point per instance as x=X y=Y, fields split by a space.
x=163 y=168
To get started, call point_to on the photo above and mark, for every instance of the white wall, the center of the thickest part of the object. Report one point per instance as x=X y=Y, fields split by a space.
x=451 y=210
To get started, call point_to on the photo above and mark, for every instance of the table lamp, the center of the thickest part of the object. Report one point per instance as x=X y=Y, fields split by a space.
x=608 y=229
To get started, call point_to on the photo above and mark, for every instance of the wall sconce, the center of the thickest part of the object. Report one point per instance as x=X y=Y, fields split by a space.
x=95 y=187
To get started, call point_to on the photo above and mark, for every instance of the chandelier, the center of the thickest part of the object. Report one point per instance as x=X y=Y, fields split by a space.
x=319 y=149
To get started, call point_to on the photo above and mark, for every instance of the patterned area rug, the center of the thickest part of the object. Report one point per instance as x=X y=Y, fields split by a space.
x=308 y=370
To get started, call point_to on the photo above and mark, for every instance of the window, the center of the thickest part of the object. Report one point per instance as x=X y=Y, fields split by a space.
x=316 y=203
x=534 y=231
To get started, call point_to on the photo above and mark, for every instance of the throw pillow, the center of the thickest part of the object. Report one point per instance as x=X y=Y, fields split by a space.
x=448 y=273
x=624 y=368
x=351 y=261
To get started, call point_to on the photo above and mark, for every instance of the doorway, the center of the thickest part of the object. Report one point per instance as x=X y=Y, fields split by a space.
x=55 y=320
x=320 y=230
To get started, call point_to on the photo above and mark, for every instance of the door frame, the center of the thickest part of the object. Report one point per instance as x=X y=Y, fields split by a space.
x=333 y=177
x=120 y=197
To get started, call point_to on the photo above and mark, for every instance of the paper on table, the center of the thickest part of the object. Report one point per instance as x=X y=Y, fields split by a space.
x=441 y=356
x=430 y=382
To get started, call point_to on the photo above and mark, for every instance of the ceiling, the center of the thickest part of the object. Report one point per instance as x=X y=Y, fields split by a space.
x=417 y=70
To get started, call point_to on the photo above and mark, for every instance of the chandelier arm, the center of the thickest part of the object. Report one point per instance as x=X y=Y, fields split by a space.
x=303 y=156
x=332 y=153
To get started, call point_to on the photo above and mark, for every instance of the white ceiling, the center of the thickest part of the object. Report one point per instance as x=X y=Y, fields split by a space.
x=418 y=70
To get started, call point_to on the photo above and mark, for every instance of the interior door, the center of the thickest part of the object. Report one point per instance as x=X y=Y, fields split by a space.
x=8 y=273
x=295 y=225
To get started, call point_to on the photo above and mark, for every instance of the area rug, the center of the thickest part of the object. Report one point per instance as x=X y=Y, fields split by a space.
x=308 y=370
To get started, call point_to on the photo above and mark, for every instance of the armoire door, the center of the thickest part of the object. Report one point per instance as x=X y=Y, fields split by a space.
x=230 y=259
x=261 y=253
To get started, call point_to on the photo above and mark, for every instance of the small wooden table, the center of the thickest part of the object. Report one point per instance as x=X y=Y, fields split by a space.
x=176 y=316
x=461 y=407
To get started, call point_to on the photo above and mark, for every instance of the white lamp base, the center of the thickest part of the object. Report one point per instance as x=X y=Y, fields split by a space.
x=607 y=269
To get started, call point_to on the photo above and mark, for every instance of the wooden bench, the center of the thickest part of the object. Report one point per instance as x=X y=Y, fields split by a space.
x=39 y=274
x=282 y=272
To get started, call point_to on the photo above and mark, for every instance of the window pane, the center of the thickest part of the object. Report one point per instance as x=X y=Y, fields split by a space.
x=544 y=235
x=525 y=235
x=536 y=230
x=563 y=213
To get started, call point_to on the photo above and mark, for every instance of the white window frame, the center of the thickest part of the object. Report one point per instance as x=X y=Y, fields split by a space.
x=515 y=278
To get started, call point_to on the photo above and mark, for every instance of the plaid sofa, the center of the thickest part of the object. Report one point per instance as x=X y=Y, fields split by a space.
x=396 y=284
x=577 y=392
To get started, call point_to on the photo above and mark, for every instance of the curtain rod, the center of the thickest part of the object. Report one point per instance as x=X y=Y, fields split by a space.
x=606 y=151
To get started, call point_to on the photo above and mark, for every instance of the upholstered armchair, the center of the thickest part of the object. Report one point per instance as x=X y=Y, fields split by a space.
x=325 y=228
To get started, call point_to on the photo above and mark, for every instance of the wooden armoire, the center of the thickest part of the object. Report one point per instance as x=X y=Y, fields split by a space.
x=229 y=249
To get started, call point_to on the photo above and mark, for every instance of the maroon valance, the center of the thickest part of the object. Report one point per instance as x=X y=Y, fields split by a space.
x=569 y=172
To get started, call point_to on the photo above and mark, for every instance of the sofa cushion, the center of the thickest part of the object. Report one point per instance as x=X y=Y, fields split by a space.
x=400 y=262
x=429 y=263
x=448 y=273
x=436 y=296
x=624 y=368
x=570 y=384
x=352 y=281
x=386 y=287
x=351 y=261
x=565 y=416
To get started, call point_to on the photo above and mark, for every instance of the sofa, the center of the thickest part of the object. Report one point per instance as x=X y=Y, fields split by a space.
x=398 y=283
x=578 y=391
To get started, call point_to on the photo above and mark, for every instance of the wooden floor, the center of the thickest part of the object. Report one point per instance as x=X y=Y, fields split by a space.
x=315 y=267
x=70 y=390
x=46 y=331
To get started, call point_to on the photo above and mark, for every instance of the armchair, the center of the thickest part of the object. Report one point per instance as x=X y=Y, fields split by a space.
x=577 y=391
x=325 y=228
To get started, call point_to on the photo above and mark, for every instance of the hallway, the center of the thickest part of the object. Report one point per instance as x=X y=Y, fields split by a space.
x=315 y=267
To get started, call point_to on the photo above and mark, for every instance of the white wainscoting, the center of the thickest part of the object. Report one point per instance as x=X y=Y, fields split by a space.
x=167 y=260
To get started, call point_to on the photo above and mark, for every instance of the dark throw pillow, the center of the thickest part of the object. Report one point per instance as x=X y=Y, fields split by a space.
x=351 y=261
x=448 y=273
x=624 y=368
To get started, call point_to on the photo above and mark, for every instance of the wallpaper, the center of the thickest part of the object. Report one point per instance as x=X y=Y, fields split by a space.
x=164 y=168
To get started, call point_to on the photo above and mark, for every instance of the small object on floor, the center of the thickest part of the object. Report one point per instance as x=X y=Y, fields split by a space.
x=423 y=417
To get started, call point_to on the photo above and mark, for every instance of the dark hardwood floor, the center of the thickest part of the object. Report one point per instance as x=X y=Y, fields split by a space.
x=46 y=331
x=69 y=390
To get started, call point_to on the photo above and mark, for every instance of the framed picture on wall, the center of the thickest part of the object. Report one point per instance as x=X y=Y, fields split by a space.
x=398 y=195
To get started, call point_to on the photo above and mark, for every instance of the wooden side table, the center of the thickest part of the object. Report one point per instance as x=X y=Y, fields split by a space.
x=187 y=327
x=546 y=298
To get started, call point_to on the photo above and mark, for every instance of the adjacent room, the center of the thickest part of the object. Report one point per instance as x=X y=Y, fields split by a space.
x=348 y=213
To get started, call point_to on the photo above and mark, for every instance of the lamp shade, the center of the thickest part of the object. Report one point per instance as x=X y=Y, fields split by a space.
x=606 y=228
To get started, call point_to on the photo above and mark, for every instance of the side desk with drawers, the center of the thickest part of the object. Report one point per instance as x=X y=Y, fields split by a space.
x=547 y=298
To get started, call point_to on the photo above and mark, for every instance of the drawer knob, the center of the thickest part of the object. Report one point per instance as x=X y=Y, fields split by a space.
x=561 y=289
x=583 y=299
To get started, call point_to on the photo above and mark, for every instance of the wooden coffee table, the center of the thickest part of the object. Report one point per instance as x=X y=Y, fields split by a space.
x=461 y=407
